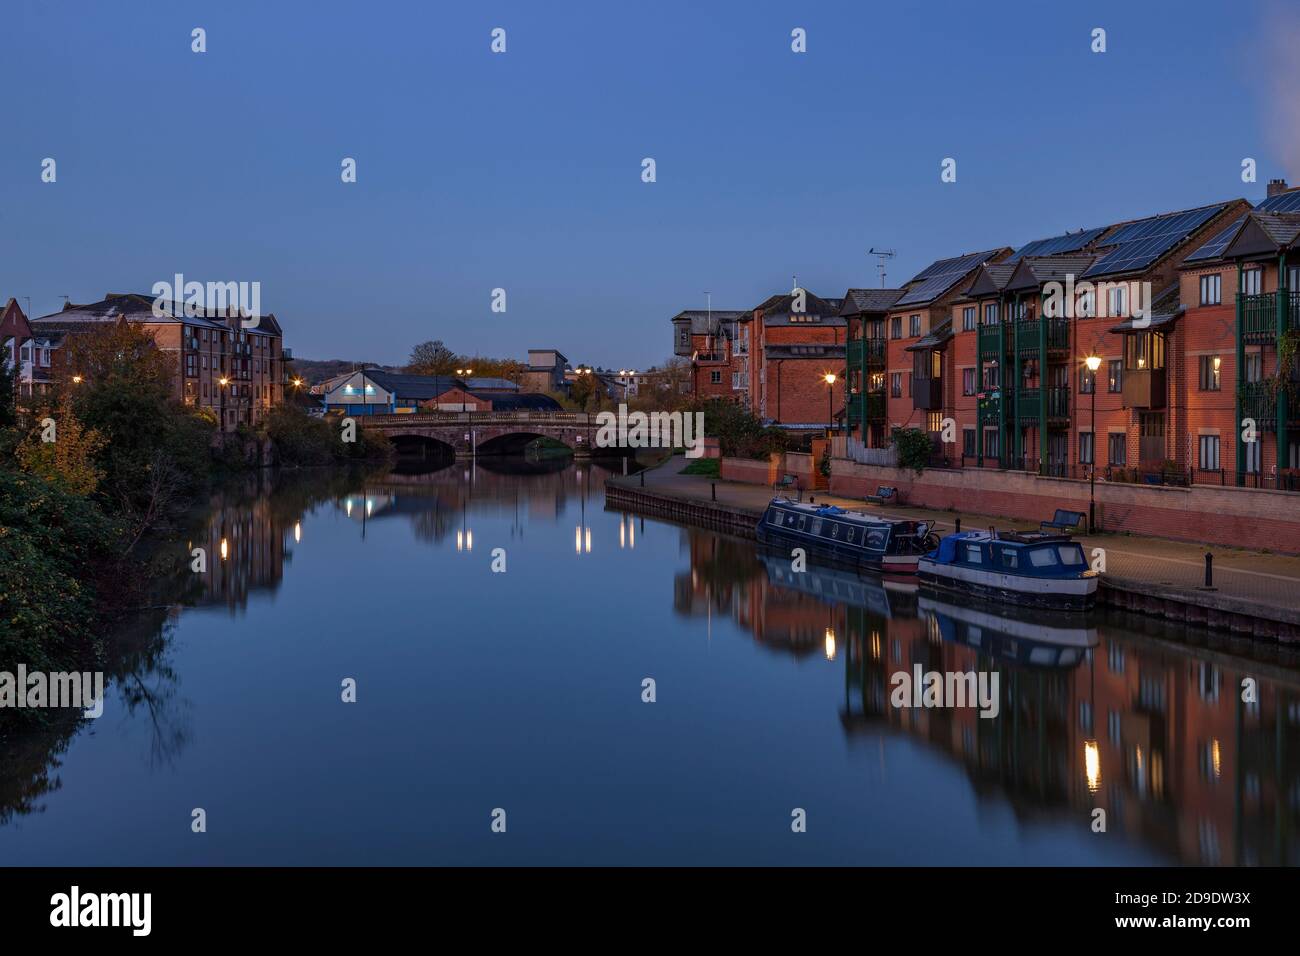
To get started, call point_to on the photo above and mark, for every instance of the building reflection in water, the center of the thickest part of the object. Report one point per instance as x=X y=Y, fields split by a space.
x=1151 y=730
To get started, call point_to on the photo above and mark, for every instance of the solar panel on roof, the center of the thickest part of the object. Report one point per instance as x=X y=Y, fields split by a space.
x=1055 y=245
x=1214 y=248
x=1141 y=243
x=1282 y=202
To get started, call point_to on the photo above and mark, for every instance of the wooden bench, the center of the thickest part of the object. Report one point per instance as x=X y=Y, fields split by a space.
x=883 y=494
x=785 y=483
x=1066 y=521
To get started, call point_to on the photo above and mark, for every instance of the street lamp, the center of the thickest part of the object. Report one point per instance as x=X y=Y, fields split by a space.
x=1093 y=362
x=830 y=403
x=223 y=382
x=462 y=373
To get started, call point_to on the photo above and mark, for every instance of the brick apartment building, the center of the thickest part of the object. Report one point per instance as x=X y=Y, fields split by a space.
x=236 y=373
x=712 y=341
x=795 y=340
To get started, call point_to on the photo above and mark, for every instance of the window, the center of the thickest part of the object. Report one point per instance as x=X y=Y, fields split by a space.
x=1250 y=281
x=968 y=381
x=895 y=384
x=991 y=313
x=1254 y=367
x=934 y=421
x=1293 y=278
x=1252 y=457
x=1118 y=448
x=1071 y=555
x=1209 y=453
x=1009 y=557
x=992 y=376
x=968 y=318
x=968 y=442
x=914 y=325
x=1087 y=381
x=1087 y=304
x=1209 y=365
x=1086 y=444
x=1043 y=557
x=896 y=327
x=1211 y=291
x=991 y=443
x=1117 y=301
x=715 y=377
x=1116 y=376
x=1145 y=350
x=683 y=337
x=973 y=554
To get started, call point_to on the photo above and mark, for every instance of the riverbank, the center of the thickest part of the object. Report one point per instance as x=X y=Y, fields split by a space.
x=1253 y=593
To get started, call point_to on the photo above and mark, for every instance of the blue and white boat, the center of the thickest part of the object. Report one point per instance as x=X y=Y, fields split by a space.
x=1030 y=568
x=847 y=537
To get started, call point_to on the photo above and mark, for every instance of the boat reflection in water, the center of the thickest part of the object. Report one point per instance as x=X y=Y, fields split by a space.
x=1030 y=640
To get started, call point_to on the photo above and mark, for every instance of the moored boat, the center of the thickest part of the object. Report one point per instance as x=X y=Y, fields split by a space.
x=849 y=537
x=1030 y=568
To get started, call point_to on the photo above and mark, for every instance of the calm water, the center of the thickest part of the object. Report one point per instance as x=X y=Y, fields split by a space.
x=522 y=690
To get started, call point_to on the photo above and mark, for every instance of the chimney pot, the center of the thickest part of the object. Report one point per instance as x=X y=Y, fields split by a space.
x=1277 y=186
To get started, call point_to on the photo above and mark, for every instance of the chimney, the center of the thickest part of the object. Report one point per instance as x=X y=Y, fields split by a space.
x=1276 y=187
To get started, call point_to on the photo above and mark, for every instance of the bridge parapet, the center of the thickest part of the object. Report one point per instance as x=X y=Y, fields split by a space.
x=476 y=418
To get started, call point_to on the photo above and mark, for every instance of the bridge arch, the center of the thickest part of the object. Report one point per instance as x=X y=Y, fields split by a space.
x=516 y=443
x=421 y=445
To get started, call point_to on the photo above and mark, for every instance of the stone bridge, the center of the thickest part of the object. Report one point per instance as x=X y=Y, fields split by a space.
x=469 y=434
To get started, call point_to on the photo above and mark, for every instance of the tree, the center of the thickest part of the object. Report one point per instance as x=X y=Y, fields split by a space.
x=70 y=461
x=432 y=358
x=7 y=413
x=582 y=388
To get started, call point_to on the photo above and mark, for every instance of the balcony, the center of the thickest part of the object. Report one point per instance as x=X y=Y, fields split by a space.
x=711 y=358
x=1144 y=388
x=286 y=354
x=927 y=393
x=1030 y=331
x=866 y=352
x=990 y=340
x=875 y=405
x=1029 y=404
x=1259 y=401
x=1259 y=316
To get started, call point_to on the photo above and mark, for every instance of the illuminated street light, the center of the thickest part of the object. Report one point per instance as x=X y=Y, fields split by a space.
x=1093 y=362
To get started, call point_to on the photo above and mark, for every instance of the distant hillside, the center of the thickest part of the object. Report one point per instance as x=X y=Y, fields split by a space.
x=317 y=370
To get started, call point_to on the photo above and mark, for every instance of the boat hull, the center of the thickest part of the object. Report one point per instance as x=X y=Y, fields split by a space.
x=1069 y=594
x=878 y=561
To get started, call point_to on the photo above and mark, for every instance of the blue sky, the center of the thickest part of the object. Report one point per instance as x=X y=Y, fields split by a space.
x=523 y=170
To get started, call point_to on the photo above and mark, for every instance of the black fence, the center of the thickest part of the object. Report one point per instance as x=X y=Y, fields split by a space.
x=1175 y=477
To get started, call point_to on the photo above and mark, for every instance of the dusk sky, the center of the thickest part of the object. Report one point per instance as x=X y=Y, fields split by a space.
x=522 y=170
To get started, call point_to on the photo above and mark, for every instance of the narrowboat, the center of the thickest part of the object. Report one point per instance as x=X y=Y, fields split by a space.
x=849 y=537
x=1031 y=568
x=1034 y=639
x=882 y=595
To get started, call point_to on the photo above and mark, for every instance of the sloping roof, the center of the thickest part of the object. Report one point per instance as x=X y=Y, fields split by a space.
x=780 y=305
x=1137 y=245
x=941 y=275
x=531 y=401
x=491 y=384
x=857 y=301
x=704 y=322
x=1034 y=271
x=138 y=307
x=418 y=387
x=936 y=338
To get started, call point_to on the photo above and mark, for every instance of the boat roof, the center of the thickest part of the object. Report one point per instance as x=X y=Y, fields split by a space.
x=1015 y=537
x=833 y=511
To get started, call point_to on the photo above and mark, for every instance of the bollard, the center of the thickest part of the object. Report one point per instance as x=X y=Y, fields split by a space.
x=642 y=478
x=993 y=532
x=1209 y=569
x=959 y=526
x=625 y=464
x=713 y=489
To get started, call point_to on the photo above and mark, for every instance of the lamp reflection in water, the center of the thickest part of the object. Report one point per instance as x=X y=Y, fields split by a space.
x=225 y=549
x=581 y=540
x=830 y=644
x=297 y=532
x=1092 y=765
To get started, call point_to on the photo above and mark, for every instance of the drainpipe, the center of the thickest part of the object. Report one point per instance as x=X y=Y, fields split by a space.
x=1042 y=387
x=1241 y=377
x=1283 y=403
x=1015 y=418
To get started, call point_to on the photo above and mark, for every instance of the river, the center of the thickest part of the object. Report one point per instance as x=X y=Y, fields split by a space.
x=516 y=696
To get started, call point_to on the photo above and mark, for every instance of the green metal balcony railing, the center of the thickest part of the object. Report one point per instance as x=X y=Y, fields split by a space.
x=1029 y=331
x=1258 y=401
x=866 y=352
x=1259 y=316
x=1029 y=403
x=875 y=404
x=990 y=340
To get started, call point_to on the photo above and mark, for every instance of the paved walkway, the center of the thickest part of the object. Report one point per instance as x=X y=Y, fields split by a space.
x=1248 y=575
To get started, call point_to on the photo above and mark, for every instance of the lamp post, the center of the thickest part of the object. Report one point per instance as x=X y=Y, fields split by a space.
x=1093 y=362
x=222 y=383
x=830 y=403
x=462 y=373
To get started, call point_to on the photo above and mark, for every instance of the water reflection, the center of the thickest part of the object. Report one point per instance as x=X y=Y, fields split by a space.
x=1094 y=714
x=311 y=572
